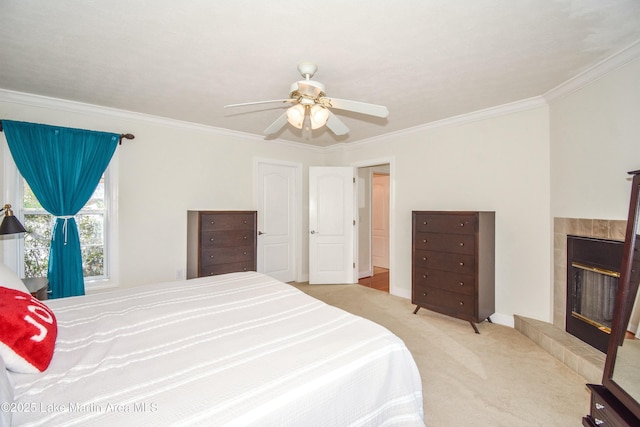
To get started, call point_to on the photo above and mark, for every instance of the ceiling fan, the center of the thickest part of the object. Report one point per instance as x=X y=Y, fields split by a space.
x=309 y=102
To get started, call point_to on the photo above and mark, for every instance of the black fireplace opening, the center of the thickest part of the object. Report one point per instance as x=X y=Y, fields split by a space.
x=593 y=272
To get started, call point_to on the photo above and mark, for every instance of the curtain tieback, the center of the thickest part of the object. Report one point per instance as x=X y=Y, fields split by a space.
x=64 y=225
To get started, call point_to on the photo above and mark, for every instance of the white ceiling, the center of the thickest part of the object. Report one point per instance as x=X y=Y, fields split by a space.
x=426 y=60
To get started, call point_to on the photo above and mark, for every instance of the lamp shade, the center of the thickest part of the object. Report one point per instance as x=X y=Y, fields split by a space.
x=295 y=115
x=318 y=115
x=10 y=224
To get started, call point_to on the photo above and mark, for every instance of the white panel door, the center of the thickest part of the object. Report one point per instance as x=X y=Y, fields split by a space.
x=276 y=188
x=380 y=221
x=331 y=225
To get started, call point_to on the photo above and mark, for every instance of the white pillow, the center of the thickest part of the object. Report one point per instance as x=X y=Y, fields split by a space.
x=6 y=394
x=9 y=279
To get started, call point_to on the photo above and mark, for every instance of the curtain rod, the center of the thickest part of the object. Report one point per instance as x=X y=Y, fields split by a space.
x=122 y=135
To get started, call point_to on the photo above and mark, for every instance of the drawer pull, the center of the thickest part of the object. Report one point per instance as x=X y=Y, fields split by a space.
x=244 y=222
x=461 y=303
x=245 y=237
x=244 y=253
x=425 y=275
x=599 y=421
x=212 y=239
x=462 y=224
x=461 y=244
x=424 y=294
x=599 y=406
x=213 y=222
x=424 y=223
x=211 y=256
x=461 y=283
x=424 y=258
x=424 y=241
x=461 y=264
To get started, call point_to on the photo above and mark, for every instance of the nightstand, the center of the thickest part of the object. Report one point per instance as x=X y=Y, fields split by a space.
x=38 y=286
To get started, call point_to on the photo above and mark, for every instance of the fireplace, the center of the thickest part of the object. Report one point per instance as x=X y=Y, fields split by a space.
x=593 y=270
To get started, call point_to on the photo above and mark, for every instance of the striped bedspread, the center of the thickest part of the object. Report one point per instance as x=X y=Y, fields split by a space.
x=237 y=349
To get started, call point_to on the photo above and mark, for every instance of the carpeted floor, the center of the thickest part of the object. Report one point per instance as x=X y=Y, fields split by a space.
x=496 y=378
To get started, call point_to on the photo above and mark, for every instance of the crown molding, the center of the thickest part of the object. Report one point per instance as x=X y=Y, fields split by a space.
x=607 y=65
x=76 y=107
x=613 y=62
x=500 y=110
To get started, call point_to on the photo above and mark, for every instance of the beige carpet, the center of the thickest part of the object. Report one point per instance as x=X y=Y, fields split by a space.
x=496 y=378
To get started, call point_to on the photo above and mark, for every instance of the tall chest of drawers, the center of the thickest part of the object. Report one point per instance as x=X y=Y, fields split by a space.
x=453 y=263
x=221 y=242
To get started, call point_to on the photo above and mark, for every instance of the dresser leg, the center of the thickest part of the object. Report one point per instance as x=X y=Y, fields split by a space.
x=489 y=319
x=475 y=328
x=416 y=310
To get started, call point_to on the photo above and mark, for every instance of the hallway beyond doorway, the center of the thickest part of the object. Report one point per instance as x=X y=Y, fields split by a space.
x=379 y=280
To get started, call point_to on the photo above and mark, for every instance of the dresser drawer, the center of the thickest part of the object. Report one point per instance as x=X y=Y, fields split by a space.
x=455 y=243
x=444 y=301
x=227 y=238
x=454 y=282
x=607 y=411
x=457 y=263
x=435 y=223
x=218 y=222
x=226 y=255
x=232 y=267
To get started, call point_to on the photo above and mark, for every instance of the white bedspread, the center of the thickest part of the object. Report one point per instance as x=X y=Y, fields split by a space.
x=237 y=349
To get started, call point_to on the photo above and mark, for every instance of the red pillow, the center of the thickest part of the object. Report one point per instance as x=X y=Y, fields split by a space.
x=28 y=331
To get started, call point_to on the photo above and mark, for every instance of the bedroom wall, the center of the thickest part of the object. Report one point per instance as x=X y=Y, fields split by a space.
x=566 y=160
x=500 y=164
x=595 y=134
x=167 y=169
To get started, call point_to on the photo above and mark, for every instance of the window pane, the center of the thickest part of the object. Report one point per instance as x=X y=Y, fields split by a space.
x=97 y=199
x=92 y=261
x=91 y=229
x=36 y=262
x=29 y=199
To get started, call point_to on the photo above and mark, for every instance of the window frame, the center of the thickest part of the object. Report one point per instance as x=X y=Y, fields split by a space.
x=13 y=247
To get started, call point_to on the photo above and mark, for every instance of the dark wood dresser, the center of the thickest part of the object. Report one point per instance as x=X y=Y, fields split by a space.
x=606 y=410
x=453 y=260
x=221 y=242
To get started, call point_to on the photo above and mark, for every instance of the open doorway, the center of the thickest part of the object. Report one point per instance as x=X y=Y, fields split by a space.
x=374 y=224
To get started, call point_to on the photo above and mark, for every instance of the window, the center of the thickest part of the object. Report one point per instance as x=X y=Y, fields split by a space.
x=92 y=221
x=28 y=254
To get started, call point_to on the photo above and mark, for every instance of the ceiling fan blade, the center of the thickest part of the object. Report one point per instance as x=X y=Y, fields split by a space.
x=260 y=102
x=358 y=107
x=335 y=125
x=277 y=125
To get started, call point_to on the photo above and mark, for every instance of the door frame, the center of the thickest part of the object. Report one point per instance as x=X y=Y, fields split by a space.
x=297 y=203
x=392 y=211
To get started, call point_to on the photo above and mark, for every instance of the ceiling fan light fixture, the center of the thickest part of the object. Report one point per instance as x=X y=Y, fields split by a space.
x=295 y=115
x=310 y=95
x=319 y=116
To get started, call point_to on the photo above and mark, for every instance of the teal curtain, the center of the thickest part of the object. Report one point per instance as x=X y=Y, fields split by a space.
x=63 y=167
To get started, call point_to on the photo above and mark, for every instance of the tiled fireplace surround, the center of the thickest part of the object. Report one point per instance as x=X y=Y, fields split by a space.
x=577 y=355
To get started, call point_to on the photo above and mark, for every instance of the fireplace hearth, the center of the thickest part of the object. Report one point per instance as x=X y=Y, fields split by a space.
x=593 y=270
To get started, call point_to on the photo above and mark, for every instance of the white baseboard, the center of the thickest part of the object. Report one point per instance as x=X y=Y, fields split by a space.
x=503 y=319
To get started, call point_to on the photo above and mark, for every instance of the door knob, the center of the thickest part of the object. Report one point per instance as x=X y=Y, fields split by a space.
x=313 y=231
x=260 y=233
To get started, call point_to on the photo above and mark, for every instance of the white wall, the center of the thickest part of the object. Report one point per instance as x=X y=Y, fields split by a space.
x=167 y=169
x=497 y=164
x=569 y=159
x=595 y=134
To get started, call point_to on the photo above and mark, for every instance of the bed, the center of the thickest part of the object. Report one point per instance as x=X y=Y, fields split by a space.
x=236 y=349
